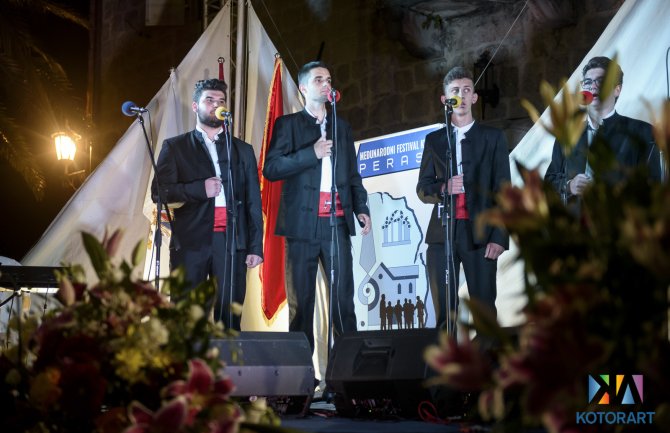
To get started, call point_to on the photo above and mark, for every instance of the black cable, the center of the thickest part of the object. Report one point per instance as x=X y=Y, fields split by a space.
x=288 y=50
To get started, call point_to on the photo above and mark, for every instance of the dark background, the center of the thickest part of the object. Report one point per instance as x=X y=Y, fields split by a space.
x=23 y=219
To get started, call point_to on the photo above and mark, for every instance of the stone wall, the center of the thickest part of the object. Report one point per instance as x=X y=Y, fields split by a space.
x=134 y=61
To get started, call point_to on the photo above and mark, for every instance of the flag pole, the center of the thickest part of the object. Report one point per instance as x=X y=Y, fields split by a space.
x=240 y=69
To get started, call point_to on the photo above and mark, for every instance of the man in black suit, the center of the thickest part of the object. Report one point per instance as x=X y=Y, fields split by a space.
x=193 y=172
x=480 y=167
x=303 y=153
x=630 y=141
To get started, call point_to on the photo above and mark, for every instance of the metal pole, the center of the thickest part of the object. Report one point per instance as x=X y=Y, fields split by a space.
x=240 y=69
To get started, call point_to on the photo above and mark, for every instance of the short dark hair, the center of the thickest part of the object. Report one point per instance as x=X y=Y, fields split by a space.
x=211 y=84
x=604 y=63
x=456 y=73
x=303 y=73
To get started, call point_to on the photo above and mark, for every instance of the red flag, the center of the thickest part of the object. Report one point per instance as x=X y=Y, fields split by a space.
x=273 y=292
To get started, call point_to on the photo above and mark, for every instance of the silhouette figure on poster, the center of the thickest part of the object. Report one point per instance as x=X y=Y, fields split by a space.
x=382 y=313
x=420 y=312
x=389 y=316
x=408 y=309
x=398 y=314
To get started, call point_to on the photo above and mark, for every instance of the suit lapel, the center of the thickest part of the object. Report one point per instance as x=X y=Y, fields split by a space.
x=472 y=147
x=577 y=161
x=201 y=148
x=223 y=161
x=441 y=148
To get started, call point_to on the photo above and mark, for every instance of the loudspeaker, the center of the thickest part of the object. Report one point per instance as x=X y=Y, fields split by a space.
x=382 y=373
x=267 y=364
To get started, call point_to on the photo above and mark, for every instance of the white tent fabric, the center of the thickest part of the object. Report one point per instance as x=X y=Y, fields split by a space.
x=170 y=125
x=261 y=47
x=639 y=35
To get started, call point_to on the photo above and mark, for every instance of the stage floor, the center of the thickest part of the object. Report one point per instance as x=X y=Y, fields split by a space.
x=323 y=418
x=315 y=424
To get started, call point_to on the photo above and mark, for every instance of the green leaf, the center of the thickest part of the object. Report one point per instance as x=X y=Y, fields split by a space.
x=96 y=253
x=139 y=254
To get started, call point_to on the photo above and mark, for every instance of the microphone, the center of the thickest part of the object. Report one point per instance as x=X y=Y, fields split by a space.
x=454 y=101
x=222 y=113
x=129 y=108
x=586 y=97
x=334 y=94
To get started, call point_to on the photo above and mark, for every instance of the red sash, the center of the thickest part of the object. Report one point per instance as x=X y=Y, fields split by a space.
x=461 y=208
x=324 y=204
x=220 y=219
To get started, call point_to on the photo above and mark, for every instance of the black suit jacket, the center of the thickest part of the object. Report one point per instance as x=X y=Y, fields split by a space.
x=485 y=161
x=183 y=166
x=630 y=140
x=291 y=158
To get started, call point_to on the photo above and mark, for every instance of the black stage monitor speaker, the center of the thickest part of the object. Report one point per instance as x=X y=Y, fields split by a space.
x=268 y=364
x=381 y=373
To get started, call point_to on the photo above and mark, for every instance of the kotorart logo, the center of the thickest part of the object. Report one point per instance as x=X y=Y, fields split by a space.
x=615 y=389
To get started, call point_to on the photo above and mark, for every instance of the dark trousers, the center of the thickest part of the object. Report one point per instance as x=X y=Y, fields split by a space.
x=480 y=273
x=302 y=259
x=210 y=261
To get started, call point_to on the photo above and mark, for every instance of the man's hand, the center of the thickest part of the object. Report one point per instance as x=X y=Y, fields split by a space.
x=253 y=260
x=323 y=147
x=579 y=184
x=367 y=223
x=493 y=251
x=455 y=185
x=213 y=187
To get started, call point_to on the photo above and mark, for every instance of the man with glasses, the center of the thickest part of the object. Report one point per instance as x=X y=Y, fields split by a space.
x=193 y=171
x=630 y=141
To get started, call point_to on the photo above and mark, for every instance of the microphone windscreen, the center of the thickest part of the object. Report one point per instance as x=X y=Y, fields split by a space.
x=337 y=96
x=126 y=108
x=587 y=97
x=452 y=101
x=221 y=113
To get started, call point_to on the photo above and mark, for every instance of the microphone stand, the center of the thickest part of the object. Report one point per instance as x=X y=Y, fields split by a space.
x=448 y=224
x=333 y=224
x=160 y=203
x=565 y=188
x=231 y=237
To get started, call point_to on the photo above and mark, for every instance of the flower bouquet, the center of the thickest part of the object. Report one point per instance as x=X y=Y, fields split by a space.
x=118 y=356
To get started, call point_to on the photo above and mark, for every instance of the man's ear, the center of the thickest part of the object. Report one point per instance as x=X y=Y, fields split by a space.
x=443 y=98
x=475 y=98
x=194 y=106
